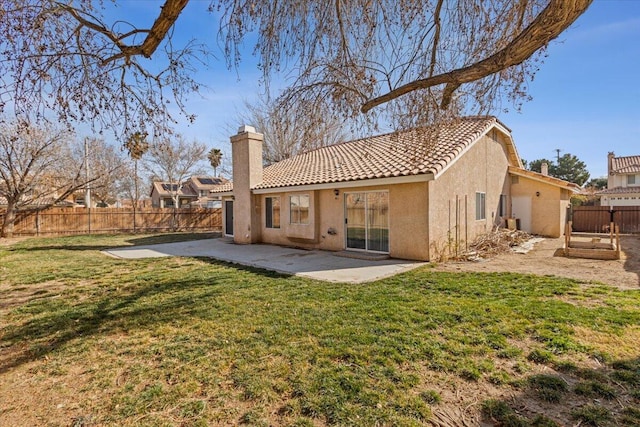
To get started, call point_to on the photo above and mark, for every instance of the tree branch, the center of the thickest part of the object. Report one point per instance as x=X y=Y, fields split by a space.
x=553 y=20
x=169 y=13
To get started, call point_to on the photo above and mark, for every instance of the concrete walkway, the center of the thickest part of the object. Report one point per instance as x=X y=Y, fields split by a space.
x=315 y=264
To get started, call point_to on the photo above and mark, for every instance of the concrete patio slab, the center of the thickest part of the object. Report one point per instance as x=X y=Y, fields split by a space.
x=315 y=264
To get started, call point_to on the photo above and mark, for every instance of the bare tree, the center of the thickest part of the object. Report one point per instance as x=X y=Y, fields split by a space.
x=106 y=169
x=37 y=169
x=420 y=60
x=215 y=159
x=172 y=160
x=61 y=61
x=289 y=130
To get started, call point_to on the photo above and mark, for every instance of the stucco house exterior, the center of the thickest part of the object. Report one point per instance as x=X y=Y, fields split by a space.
x=623 y=181
x=407 y=194
x=197 y=191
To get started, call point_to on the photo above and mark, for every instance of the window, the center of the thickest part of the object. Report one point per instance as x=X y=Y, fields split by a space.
x=480 y=206
x=502 y=209
x=299 y=209
x=631 y=180
x=272 y=212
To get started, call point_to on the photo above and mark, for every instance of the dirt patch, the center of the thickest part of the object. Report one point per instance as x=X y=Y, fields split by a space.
x=8 y=241
x=623 y=273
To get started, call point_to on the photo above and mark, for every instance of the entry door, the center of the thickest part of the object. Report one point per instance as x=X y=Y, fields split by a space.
x=521 y=208
x=367 y=221
x=228 y=217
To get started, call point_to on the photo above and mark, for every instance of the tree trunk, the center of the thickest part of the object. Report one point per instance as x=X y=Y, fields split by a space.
x=9 y=220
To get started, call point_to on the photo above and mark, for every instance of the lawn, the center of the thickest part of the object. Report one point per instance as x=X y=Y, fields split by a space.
x=86 y=339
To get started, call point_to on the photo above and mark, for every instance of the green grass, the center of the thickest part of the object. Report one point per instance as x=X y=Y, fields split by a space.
x=185 y=341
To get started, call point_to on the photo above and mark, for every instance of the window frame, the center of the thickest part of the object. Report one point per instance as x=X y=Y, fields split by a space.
x=269 y=212
x=481 y=206
x=631 y=180
x=296 y=212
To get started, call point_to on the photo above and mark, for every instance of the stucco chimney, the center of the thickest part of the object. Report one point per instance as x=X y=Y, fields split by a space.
x=246 y=148
x=544 y=168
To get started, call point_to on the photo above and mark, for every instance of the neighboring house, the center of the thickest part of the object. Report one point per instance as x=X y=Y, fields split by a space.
x=623 y=183
x=408 y=194
x=163 y=195
x=208 y=190
x=197 y=191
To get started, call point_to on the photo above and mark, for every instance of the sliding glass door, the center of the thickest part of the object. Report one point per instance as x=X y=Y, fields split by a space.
x=367 y=221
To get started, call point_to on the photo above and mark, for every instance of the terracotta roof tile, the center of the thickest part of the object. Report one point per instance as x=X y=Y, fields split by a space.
x=628 y=164
x=222 y=188
x=620 y=190
x=405 y=153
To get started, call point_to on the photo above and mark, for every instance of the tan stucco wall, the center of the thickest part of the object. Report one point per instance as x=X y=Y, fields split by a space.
x=247 y=172
x=548 y=205
x=408 y=227
x=483 y=168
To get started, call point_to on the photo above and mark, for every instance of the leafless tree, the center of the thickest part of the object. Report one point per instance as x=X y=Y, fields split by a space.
x=416 y=61
x=106 y=169
x=37 y=169
x=413 y=60
x=173 y=160
x=63 y=62
x=289 y=130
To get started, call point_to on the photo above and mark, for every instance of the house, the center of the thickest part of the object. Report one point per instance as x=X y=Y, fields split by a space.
x=408 y=194
x=163 y=195
x=197 y=191
x=208 y=190
x=623 y=181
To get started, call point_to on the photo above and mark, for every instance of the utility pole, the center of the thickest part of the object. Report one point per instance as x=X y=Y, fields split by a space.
x=557 y=150
x=87 y=190
x=87 y=193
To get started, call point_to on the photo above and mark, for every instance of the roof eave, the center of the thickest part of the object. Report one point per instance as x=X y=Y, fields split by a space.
x=556 y=182
x=424 y=177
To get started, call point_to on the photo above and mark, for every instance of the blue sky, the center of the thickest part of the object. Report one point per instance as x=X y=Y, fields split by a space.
x=586 y=95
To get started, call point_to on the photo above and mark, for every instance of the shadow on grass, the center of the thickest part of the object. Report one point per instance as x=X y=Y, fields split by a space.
x=631 y=247
x=241 y=267
x=570 y=395
x=54 y=323
x=106 y=241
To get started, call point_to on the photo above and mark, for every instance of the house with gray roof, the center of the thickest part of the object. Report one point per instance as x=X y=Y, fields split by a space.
x=623 y=181
x=410 y=194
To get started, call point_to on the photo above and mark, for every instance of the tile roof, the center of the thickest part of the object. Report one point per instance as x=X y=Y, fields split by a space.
x=202 y=182
x=222 y=188
x=164 y=189
x=545 y=178
x=412 y=152
x=620 y=190
x=628 y=164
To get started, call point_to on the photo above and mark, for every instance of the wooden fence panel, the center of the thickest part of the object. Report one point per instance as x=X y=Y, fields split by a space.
x=63 y=221
x=596 y=219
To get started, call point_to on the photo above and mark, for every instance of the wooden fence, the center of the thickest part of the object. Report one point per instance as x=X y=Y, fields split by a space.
x=597 y=219
x=64 y=221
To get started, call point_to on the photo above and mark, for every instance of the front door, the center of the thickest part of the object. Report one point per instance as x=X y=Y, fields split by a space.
x=367 y=221
x=228 y=217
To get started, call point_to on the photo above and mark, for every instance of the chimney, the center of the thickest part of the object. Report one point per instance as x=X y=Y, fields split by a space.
x=544 y=168
x=246 y=148
x=610 y=157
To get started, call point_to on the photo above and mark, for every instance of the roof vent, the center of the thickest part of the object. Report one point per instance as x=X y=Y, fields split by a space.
x=246 y=128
